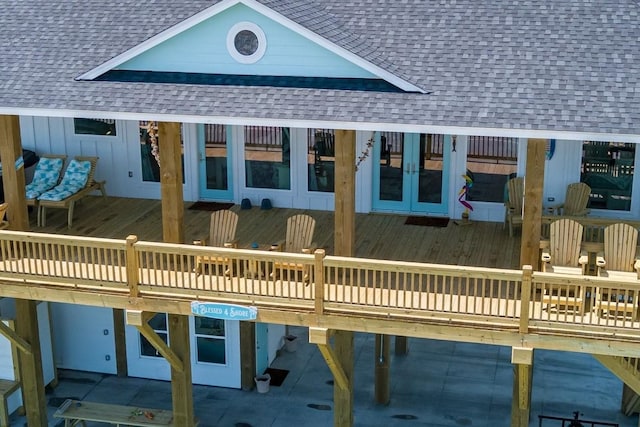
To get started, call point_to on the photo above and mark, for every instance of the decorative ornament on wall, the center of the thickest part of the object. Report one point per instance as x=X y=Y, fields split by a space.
x=551 y=148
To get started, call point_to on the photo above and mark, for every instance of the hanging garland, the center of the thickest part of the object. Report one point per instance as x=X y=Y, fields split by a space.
x=366 y=151
x=152 y=131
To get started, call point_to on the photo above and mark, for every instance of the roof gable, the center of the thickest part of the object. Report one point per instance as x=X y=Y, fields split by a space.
x=210 y=44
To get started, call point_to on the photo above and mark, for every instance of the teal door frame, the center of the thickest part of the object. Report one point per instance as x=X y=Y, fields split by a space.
x=410 y=183
x=205 y=193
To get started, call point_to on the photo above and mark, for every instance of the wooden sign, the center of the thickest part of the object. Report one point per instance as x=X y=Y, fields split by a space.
x=223 y=311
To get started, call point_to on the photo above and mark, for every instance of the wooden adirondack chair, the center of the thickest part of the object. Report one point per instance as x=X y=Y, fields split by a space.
x=514 y=202
x=3 y=211
x=576 y=200
x=299 y=237
x=618 y=261
x=564 y=256
x=222 y=233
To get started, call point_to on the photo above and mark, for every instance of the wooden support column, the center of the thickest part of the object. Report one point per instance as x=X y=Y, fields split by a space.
x=170 y=150
x=171 y=182
x=382 y=355
x=120 y=342
x=522 y=359
x=13 y=179
x=247 y=355
x=26 y=324
x=31 y=375
x=344 y=244
x=402 y=346
x=532 y=215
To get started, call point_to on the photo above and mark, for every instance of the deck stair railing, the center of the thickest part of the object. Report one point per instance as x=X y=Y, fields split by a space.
x=316 y=284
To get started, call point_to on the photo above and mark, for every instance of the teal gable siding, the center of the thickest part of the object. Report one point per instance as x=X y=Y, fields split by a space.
x=203 y=49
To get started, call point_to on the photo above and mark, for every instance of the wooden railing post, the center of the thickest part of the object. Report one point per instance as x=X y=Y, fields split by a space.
x=318 y=278
x=132 y=266
x=525 y=297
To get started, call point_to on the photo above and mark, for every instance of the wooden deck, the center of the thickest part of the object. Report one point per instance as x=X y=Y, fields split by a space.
x=379 y=236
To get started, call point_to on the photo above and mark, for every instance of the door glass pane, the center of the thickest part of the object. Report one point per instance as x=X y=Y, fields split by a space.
x=267 y=162
x=321 y=160
x=608 y=169
x=149 y=157
x=210 y=340
x=429 y=168
x=215 y=147
x=391 y=165
x=491 y=161
x=159 y=324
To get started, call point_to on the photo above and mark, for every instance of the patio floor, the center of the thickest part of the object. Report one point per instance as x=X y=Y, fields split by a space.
x=379 y=236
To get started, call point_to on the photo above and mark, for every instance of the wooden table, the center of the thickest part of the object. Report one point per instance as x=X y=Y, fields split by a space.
x=76 y=412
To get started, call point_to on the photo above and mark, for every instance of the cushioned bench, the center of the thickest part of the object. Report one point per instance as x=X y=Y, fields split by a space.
x=76 y=412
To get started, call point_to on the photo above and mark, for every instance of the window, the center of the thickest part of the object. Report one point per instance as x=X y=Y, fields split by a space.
x=210 y=340
x=491 y=161
x=321 y=160
x=267 y=157
x=159 y=324
x=608 y=169
x=100 y=127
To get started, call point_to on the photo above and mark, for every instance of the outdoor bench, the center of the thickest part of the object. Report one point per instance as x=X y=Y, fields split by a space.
x=76 y=412
x=7 y=387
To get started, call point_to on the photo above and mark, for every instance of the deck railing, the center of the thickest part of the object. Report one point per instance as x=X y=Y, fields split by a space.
x=316 y=284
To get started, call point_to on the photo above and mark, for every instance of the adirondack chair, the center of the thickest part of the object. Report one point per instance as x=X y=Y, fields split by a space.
x=618 y=261
x=77 y=183
x=299 y=237
x=514 y=203
x=564 y=256
x=3 y=210
x=222 y=233
x=576 y=200
x=46 y=176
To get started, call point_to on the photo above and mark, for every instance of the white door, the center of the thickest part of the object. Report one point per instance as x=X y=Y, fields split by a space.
x=83 y=338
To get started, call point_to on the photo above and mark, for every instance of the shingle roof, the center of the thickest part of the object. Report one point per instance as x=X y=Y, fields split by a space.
x=569 y=66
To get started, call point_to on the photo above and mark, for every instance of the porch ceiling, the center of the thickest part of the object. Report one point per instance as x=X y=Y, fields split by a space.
x=379 y=236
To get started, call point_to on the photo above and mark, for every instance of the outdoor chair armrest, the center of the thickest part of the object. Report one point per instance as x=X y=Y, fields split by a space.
x=311 y=249
x=636 y=265
x=231 y=244
x=546 y=256
x=278 y=246
x=200 y=242
x=600 y=261
x=584 y=257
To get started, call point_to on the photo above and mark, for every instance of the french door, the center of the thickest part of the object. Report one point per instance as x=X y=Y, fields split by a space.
x=214 y=158
x=411 y=173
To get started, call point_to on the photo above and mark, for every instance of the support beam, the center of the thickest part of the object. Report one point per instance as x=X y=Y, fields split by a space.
x=402 y=346
x=13 y=179
x=344 y=245
x=15 y=339
x=181 y=381
x=522 y=359
x=532 y=215
x=31 y=375
x=334 y=366
x=382 y=356
x=119 y=340
x=171 y=182
x=247 y=355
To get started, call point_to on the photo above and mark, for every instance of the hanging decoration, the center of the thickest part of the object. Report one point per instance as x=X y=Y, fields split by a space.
x=366 y=151
x=462 y=195
x=152 y=131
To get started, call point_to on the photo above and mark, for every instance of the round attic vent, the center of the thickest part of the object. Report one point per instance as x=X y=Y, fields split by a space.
x=246 y=42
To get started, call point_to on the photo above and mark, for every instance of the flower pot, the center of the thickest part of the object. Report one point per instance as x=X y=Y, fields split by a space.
x=262 y=383
x=290 y=343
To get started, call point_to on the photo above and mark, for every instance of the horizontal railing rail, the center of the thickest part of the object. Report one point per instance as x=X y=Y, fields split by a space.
x=315 y=284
